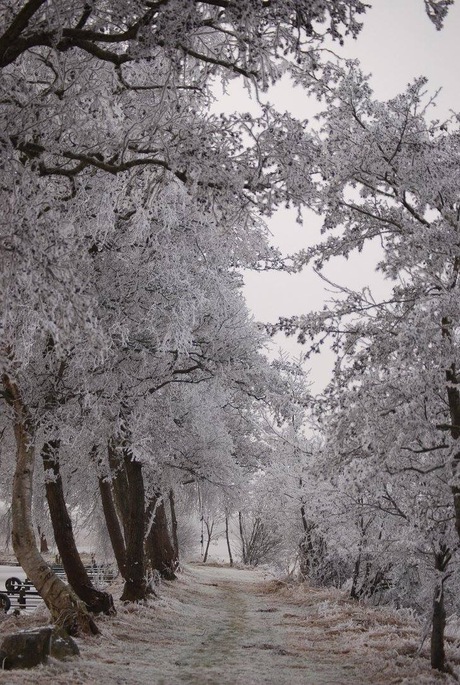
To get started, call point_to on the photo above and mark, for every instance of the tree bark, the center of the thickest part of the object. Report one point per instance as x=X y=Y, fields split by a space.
x=243 y=541
x=159 y=548
x=306 y=550
x=43 y=542
x=113 y=524
x=175 y=539
x=66 y=609
x=438 y=656
x=354 y=585
x=453 y=397
x=227 y=537
x=209 y=529
x=95 y=600
x=120 y=484
x=136 y=588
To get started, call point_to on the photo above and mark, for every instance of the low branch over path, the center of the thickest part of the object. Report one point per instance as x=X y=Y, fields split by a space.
x=224 y=626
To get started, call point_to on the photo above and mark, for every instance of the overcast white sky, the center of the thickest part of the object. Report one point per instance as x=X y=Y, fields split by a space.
x=397 y=44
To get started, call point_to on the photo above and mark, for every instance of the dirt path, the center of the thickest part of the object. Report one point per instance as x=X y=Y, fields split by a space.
x=247 y=637
x=254 y=631
x=221 y=626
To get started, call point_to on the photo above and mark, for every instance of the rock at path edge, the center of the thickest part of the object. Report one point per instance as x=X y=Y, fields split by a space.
x=29 y=648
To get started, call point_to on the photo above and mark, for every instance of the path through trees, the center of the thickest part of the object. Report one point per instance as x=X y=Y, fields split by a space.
x=228 y=627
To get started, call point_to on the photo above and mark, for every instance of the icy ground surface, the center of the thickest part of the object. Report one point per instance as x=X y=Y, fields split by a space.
x=222 y=626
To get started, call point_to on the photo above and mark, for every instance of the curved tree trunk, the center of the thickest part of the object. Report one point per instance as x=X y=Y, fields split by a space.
x=95 y=600
x=158 y=545
x=66 y=609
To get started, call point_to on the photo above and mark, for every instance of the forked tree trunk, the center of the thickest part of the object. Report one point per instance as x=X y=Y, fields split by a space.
x=95 y=600
x=136 y=588
x=123 y=503
x=209 y=529
x=66 y=609
x=159 y=548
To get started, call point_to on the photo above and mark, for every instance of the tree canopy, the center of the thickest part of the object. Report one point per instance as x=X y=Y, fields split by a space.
x=131 y=367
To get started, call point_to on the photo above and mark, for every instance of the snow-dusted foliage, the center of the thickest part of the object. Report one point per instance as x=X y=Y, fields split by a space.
x=386 y=173
x=129 y=362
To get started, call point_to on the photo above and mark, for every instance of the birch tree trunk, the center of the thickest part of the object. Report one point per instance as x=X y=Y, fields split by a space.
x=66 y=609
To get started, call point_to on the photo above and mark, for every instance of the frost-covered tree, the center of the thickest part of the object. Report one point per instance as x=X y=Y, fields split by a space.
x=388 y=174
x=230 y=34
x=103 y=107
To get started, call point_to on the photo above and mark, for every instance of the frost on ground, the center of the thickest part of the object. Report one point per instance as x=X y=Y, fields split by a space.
x=226 y=626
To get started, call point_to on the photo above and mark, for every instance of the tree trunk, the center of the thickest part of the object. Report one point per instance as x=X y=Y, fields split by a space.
x=43 y=542
x=113 y=524
x=453 y=397
x=66 y=609
x=120 y=483
x=243 y=541
x=209 y=529
x=158 y=545
x=306 y=550
x=227 y=537
x=438 y=656
x=95 y=600
x=356 y=570
x=175 y=539
x=135 y=582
